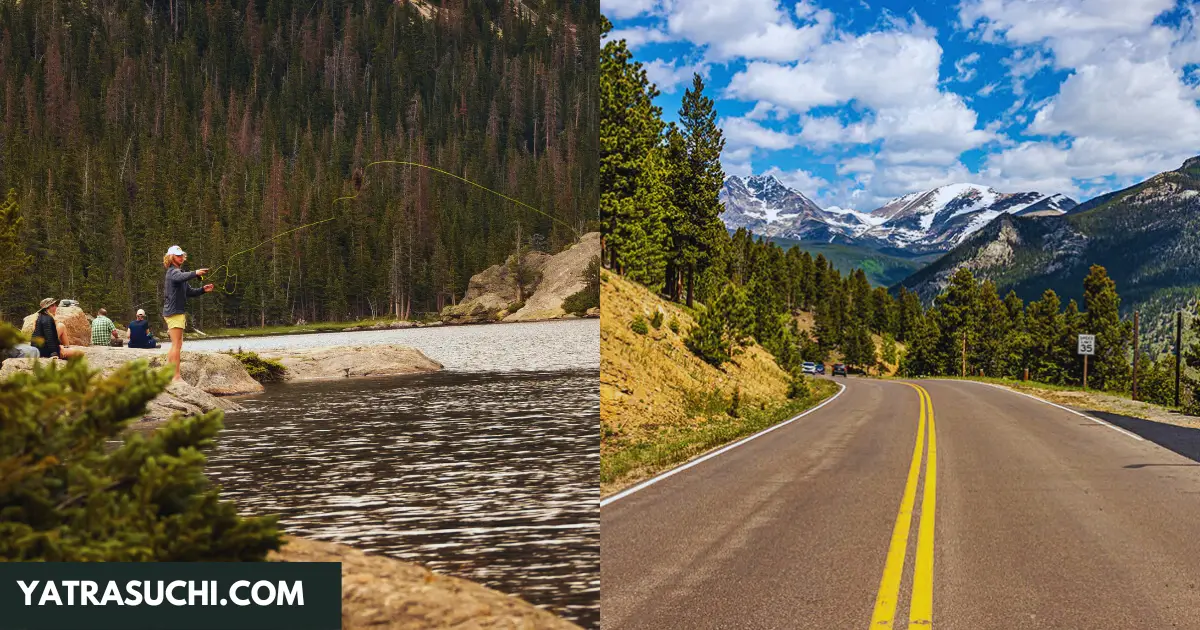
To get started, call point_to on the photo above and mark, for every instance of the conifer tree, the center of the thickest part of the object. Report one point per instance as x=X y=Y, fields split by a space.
x=883 y=311
x=1156 y=379
x=13 y=259
x=699 y=183
x=722 y=327
x=922 y=357
x=645 y=234
x=957 y=311
x=1046 y=327
x=908 y=313
x=785 y=344
x=1067 y=347
x=1109 y=368
x=861 y=306
x=889 y=348
x=245 y=120
x=65 y=495
x=675 y=220
x=859 y=348
x=1191 y=358
x=994 y=326
x=630 y=126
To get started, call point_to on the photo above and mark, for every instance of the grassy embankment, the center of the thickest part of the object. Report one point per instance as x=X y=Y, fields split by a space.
x=660 y=405
x=1119 y=403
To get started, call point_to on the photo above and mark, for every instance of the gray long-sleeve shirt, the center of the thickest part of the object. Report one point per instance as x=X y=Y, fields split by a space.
x=176 y=290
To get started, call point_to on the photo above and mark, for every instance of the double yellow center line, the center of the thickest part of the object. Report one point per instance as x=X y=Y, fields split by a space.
x=920 y=614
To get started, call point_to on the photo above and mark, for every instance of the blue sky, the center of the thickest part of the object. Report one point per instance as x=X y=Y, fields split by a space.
x=855 y=102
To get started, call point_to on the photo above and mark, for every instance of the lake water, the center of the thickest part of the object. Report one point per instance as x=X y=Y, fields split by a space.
x=487 y=470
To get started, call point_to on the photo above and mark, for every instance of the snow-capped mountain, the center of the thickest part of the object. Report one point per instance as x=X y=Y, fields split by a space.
x=930 y=220
x=764 y=206
x=943 y=217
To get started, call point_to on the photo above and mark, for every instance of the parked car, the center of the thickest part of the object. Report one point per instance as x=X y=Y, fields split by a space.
x=820 y=368
x=810 y=367
x=839 y=369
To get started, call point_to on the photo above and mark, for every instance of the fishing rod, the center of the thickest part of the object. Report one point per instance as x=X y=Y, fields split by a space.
x=358 y=182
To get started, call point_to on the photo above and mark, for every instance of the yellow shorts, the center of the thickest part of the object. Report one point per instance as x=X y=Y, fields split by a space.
x=175 y=321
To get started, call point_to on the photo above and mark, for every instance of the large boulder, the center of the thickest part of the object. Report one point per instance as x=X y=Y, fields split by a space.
x=309 y=364
x=491 y=291
x=217 y=373
x=214 y=373
x=77 y=323
x=563 y=275
x=382 y=593
x=188 y=398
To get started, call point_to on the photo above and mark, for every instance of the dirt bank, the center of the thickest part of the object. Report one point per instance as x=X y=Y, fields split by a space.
x=386 y=594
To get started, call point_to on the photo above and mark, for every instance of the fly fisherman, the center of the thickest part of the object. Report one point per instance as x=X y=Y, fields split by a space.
x=176 y=292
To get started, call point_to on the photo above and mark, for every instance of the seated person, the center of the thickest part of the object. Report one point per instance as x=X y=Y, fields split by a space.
x=20 y=351
x=139 y=332
x=49 y=336
x=102 y=329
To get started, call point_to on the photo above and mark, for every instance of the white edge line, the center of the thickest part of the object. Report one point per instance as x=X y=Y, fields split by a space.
x=653 y=480
x=1067 y=409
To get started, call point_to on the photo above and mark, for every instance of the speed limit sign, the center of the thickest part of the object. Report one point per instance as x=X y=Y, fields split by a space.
x=1087 y=344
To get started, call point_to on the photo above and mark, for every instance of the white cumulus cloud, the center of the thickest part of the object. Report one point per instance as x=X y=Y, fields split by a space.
x=752 y=29
x=638 y=36
x=625 y=9
x=669 y=75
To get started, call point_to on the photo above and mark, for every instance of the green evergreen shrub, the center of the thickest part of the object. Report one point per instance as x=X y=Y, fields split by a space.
x=656 y=320
x=65 y=495
x=798 y=386
x=260 y=369
x=589 y=296
x=722 y=327
x=638 y=325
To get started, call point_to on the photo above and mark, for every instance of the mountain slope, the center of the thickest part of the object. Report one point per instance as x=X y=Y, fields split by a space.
x=884 y=267
x=660 y=404
x=943 y=217
x=922 y=222
x=766 y=207
x=1147 y=236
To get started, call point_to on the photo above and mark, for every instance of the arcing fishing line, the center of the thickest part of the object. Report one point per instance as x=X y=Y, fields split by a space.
x=358 y=189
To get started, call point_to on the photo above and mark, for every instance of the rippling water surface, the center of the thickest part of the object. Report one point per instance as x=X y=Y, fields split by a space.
x=538 y=346
x=488 y=474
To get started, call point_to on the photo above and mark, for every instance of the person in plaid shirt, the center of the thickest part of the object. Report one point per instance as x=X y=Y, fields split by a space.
x=102 y=329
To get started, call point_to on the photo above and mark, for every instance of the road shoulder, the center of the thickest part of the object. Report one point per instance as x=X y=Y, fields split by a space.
x=673 y=448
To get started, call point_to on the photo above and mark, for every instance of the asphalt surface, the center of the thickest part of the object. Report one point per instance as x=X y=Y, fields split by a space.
x=1043 y=519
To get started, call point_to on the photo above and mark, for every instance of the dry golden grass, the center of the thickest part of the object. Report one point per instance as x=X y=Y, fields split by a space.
x=655 y=395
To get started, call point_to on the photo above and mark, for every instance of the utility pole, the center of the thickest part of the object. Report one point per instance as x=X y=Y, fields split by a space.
x=964 y=359
x=1178 y=351
x=1135 y=353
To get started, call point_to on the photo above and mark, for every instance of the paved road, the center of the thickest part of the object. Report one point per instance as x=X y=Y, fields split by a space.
x=1043 y=519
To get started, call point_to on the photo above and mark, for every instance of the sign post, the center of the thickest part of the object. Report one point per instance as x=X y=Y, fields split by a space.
x=1087 y=347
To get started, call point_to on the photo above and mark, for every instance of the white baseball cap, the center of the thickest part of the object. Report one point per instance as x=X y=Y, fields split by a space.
x=176 y=251
x=141 y=312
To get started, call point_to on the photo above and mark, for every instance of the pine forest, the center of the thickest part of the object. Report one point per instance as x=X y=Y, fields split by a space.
x=222 y=125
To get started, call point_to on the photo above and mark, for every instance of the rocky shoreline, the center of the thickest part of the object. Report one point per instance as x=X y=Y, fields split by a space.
x=210 y=379
x=387 y=594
